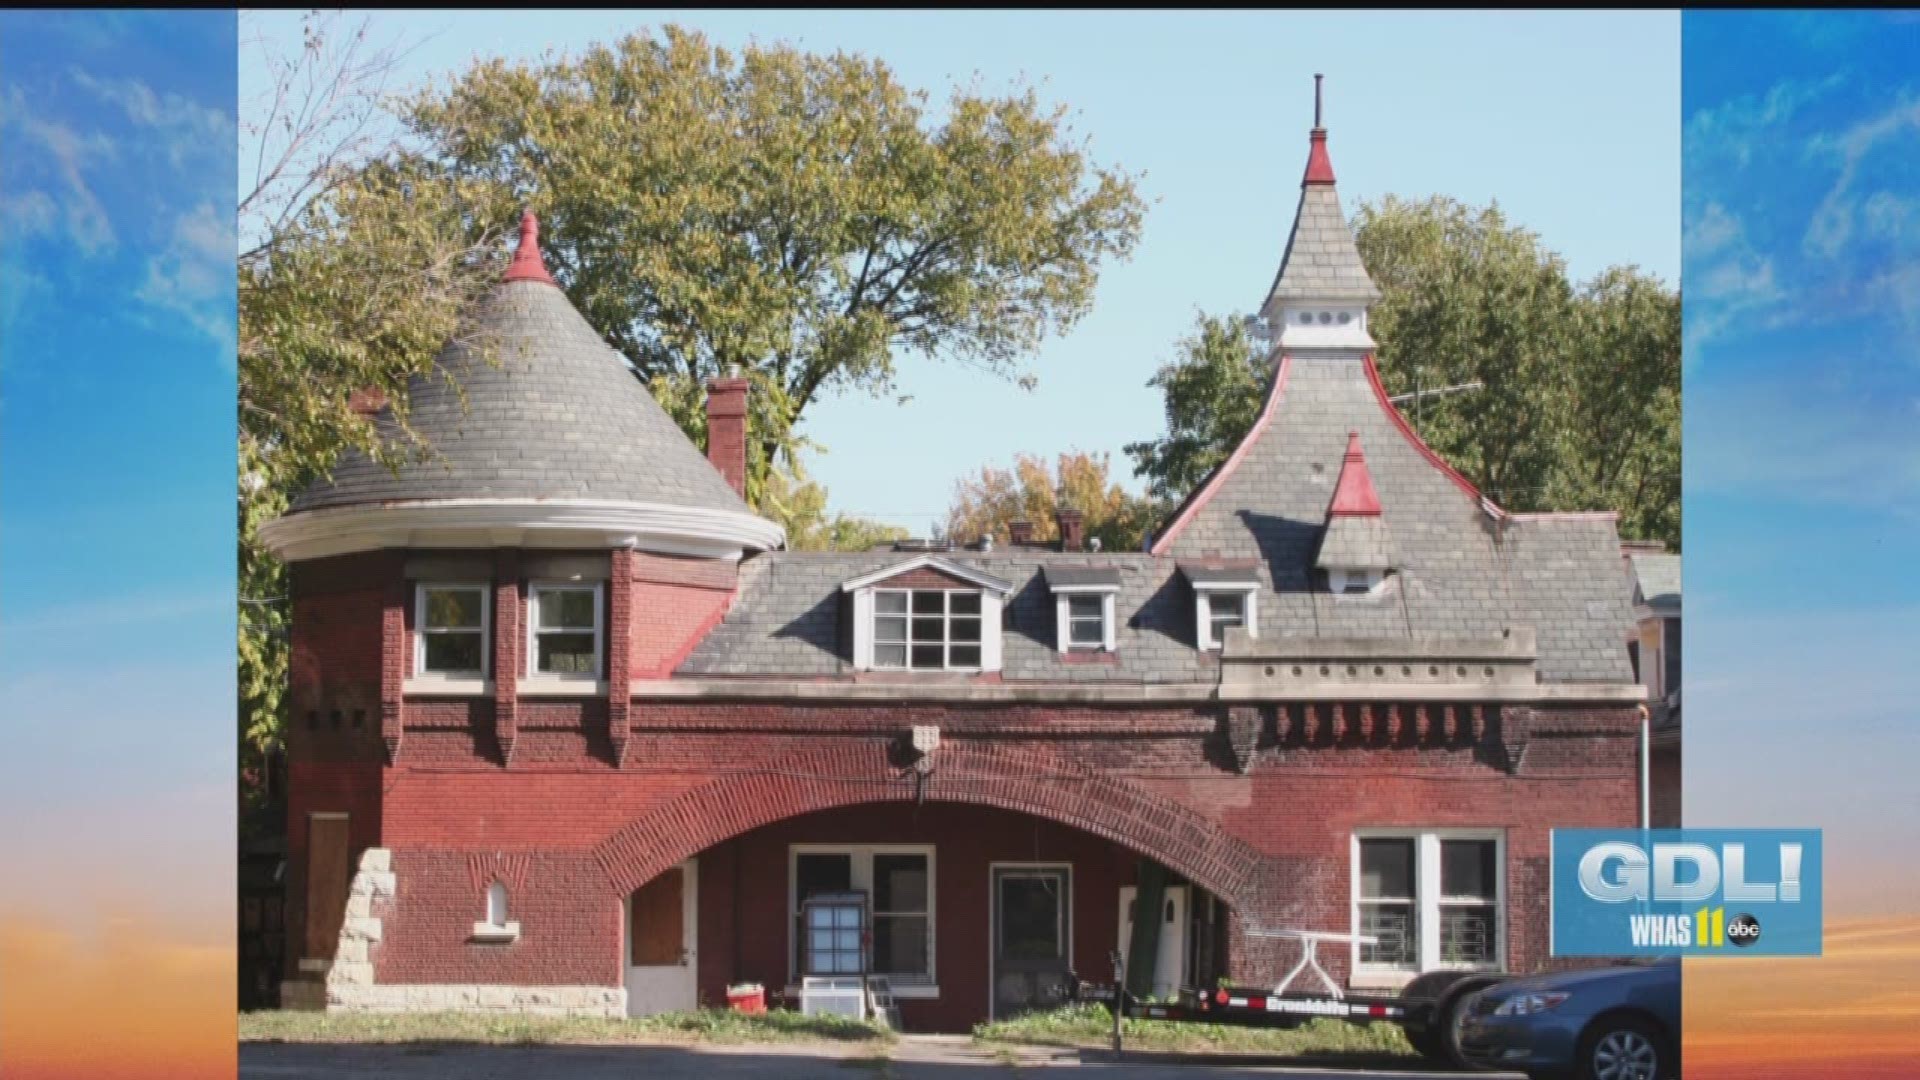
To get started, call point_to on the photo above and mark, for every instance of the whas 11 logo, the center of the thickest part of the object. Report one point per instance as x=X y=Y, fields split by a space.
x=1685 y=890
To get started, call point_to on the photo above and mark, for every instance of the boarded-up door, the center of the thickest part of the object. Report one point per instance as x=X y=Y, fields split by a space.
x=327 y=882
x=661 y=934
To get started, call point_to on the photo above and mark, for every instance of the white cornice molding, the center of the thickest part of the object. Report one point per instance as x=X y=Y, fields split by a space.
x=531 y=523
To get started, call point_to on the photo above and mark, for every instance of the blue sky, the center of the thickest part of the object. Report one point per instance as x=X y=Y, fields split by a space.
x=1567 y=119
x=1802 y=432
x=116 y=442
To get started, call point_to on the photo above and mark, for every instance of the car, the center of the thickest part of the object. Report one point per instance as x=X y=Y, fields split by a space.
x=1611 y=1023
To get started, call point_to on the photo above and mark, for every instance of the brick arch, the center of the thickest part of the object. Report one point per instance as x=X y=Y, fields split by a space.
x=1028 y=781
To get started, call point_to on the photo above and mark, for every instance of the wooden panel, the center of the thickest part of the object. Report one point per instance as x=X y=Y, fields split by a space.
x=657 y=930
x=328 y=877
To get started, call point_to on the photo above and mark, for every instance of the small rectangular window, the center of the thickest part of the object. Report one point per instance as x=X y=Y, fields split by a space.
x=565 y=629
x=451 y=627
x=895 y=889
x=1225 y=610
x=1086 y=622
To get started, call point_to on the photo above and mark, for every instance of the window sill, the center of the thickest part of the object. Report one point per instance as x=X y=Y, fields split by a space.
x=900 y=993
x=1381 y=980
x=487 y=933
x=312 y=964
x=430 y=686
x=549 y=686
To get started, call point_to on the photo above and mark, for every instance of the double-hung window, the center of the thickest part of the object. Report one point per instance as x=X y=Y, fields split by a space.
x=564 y=630
x=1218 y=610
x=926 y=629
x=1086 y=622
x=450 y=631
x=898 y=884
x=1430 y=898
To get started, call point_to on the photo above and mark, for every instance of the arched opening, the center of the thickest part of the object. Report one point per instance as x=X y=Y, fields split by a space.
x=497 y=904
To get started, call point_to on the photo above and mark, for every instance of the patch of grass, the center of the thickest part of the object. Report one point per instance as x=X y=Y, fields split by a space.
x=700 y=1026
x=1091 y=1025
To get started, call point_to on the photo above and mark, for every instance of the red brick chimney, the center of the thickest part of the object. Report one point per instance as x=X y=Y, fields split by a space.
x=1073 y=528
x=1020 y=532
x=727 y=430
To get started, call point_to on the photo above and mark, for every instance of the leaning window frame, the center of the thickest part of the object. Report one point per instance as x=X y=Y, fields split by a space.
x=1427 y=901
x=420 y=674
x=860 y=877
x=531 y=669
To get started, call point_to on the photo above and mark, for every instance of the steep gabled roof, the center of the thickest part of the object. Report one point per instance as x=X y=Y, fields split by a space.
x=556 y=415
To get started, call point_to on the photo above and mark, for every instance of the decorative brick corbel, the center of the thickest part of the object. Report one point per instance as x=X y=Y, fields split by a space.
x=508 y=629
x=620 y=653
x=1241 y=725
x=394 y=655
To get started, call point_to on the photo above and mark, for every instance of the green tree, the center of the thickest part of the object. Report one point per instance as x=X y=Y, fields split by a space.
x=797 y=218
x=1035 y=490
x=1213 y=389
x=799 y=504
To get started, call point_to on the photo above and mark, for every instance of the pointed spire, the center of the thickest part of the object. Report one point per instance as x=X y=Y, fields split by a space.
x=1319 y=165
x=528 y=264
x=1353 y=494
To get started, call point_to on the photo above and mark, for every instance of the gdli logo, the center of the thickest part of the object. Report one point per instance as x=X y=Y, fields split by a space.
x=1743 y=930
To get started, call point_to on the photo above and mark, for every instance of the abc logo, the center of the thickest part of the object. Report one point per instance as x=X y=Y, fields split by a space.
x=1743 y=930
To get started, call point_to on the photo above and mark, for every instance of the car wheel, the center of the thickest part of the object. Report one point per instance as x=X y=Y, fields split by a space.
x=1446 y=1033
x=1625 y=1048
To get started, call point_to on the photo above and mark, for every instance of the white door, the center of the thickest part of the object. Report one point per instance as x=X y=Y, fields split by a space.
x=662 y=933
x=1170 y=965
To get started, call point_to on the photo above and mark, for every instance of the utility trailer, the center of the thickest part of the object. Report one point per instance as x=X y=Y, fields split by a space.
x=1428 y=1009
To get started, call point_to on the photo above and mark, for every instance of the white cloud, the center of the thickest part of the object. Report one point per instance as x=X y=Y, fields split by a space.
x=192 y=277
x=71 y=154
x=1713 y=229
x=188 y=128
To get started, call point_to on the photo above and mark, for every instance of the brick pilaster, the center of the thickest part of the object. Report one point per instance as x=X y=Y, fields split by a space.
x=620 y=652
x=395 y=656
x=508 y=633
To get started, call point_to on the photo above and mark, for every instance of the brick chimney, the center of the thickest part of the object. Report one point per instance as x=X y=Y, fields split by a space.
x=727 y=430
x=367 y=401
x=1019 y=532
x=1073 y=528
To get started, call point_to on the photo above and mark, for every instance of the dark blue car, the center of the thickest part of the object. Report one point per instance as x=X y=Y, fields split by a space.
x=1612 y=1023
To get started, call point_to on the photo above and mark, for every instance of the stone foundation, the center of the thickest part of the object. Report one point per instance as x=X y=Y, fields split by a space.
x=350 y=987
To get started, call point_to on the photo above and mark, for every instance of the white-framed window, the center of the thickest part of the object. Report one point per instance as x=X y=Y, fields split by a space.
x=565 y=627
x=497 y=903
x=1352 y=582
x=898 y=880
x=928 y=629
x=1433 y=899
x=1216 y=610
x=1084 y=619
x=451 y=624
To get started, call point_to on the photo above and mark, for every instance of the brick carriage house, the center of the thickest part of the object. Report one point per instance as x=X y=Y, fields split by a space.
x=570 y=732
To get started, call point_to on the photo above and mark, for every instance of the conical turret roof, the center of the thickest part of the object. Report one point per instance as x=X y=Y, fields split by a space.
x=529 y=404
x=1321 y=262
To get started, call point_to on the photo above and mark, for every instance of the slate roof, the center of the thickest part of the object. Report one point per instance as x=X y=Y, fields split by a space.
x=1355 y=543
x=560 y=416
x=1657 y=579
x=1322 y=262
x=1081 y=576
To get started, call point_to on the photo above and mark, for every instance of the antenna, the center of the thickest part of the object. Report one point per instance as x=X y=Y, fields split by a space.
x=1316 y=98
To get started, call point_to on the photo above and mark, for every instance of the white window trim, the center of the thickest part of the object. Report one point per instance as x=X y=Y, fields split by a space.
x=422 y=679
x=1337 y=582
x=1203 y=612
x=1063 y=630
x=864 y=614
x=493 y=928
x=861 y=877
x=1426 y=863
x=570 y=678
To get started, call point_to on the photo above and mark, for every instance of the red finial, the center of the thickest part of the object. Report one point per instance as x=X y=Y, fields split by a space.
x=1319 y=166
x=527 y=264
x=1353 y=495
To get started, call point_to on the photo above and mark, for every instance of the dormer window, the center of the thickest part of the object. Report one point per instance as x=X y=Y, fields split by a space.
x=927 y=614
x=926 y=629
x=450 y=631
x=1224 y=596
x=1355 y=582
x=1083 y=606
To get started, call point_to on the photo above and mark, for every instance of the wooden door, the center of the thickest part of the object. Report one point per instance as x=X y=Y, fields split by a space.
x=657 y=926
x=328 y=877
x=662 y=931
